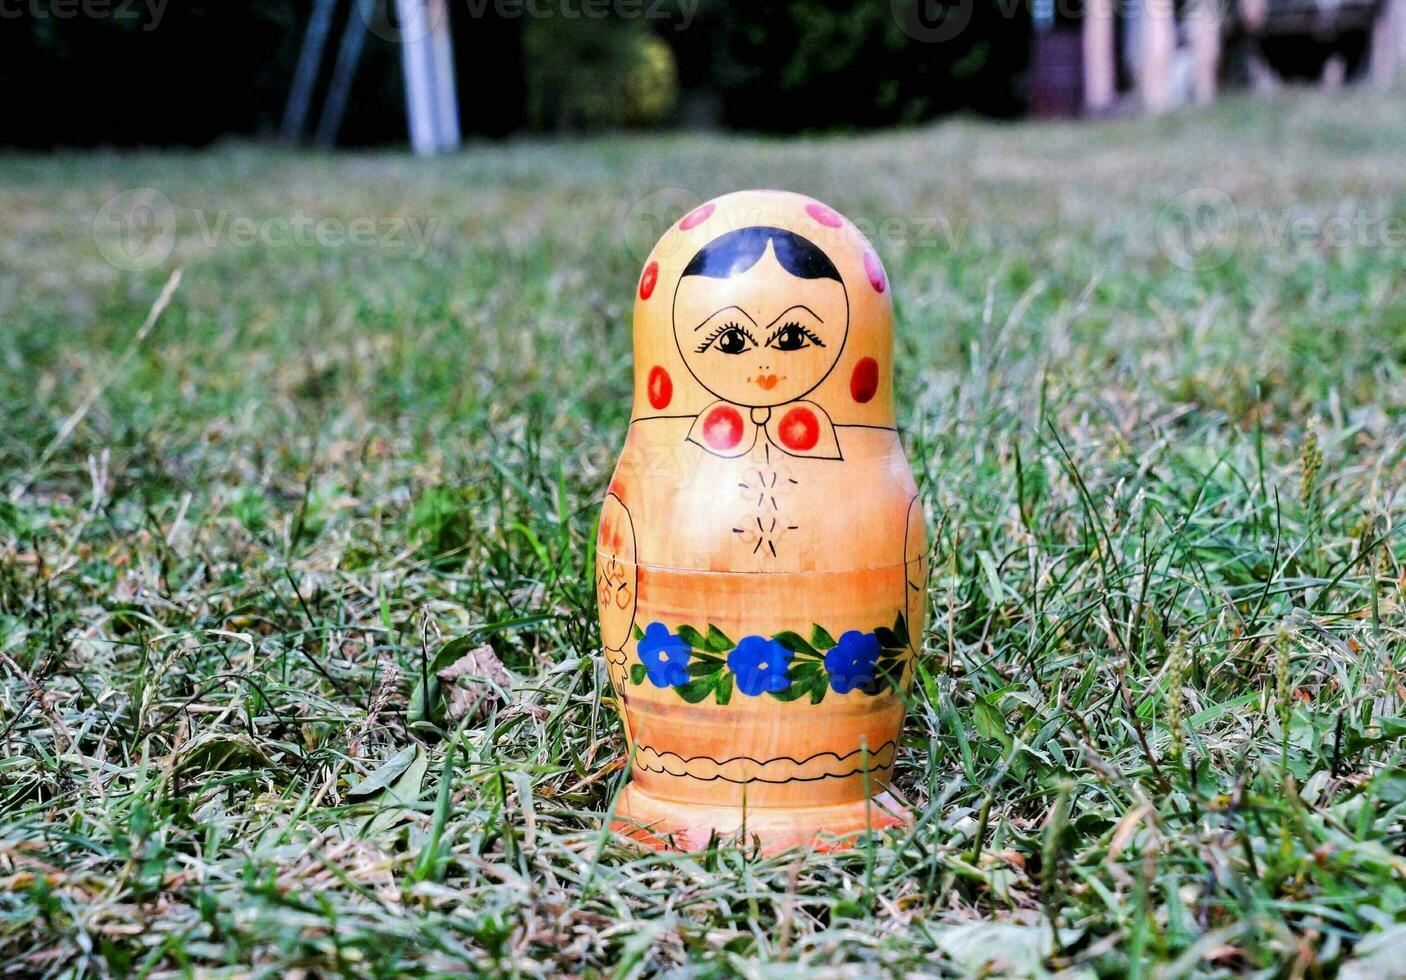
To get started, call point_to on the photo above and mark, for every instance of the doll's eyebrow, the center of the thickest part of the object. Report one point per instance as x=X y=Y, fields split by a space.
x=798 y=306
x=709 y=318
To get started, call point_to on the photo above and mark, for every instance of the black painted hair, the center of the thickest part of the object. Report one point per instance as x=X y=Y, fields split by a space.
x=734 y=253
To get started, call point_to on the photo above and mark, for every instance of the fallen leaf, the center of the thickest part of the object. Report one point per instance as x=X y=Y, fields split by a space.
x=1128 y=826
x=474 y=679
x=1003 y=948
x=1377 y=957
x=395 y=802
x=384 y=774
x=220 y=752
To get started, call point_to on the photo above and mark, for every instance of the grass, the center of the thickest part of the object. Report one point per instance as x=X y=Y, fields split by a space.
x=1159 y=726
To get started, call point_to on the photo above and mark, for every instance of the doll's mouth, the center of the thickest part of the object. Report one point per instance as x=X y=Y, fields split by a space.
x=767 y=381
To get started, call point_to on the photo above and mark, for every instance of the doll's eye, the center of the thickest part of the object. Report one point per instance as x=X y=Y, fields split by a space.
x=730 y=339
x=793 y=336
x=732 y=342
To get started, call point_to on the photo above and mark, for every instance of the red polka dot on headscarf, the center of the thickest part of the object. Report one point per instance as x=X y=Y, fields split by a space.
x=824 y=215
x=864 y=382
x=660 y=387
x=875 y=270
x=649 y=280
x=697 y=216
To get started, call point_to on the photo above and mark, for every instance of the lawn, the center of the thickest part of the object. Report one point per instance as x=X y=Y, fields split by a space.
x=1153 y=384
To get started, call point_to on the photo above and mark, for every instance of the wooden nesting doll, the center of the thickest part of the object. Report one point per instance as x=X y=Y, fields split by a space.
x=761 y=564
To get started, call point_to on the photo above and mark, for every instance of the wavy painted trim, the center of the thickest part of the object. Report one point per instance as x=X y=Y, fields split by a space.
x=735 y=769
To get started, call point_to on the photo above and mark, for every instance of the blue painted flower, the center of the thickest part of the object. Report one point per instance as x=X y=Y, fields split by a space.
x=760 y=665
x=850 y=662
x=665 y=656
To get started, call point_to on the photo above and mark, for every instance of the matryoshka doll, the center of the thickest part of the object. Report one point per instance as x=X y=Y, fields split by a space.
x=761 y=563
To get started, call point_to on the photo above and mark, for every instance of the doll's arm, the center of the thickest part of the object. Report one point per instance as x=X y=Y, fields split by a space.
x=616 y=577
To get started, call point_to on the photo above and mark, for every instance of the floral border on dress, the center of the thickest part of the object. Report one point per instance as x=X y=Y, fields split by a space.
x=785 y=665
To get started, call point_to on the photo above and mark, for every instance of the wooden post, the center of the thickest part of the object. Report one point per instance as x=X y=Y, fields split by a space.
x=446 y=99
x=1159 y=41
x=1100 y=62
x=427 y=55
x=1388 y=43
x=1334 y=74
x=295 y=114
x=1204 y=28
x=1159 y=45
x=419 y=83
x=348 y=57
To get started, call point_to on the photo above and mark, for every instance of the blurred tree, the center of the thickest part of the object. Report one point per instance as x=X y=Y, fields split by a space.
x=790 y=65
x=144 y=73
x=593 y=74
x=652 y=87
x=186 y=73
x=175 y=73
x=491 y=70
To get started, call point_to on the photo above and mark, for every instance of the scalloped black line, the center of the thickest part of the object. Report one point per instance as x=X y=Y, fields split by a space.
x=761 y=762
x=759 y=779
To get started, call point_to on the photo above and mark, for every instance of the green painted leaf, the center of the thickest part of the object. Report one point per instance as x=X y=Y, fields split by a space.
x=718 y=641
x=818 y=687
x=888 y=639
x=819 y=638
x=900 y=630
x=723 y=693
x=692 y=637
x=790 y=693
x=795 y=643
x=639 y=633
x=888 y=673
x=695 y=691
x=637 y=673
x=703 y=668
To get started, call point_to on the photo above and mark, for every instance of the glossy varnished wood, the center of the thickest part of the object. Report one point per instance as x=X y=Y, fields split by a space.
x=762 y=510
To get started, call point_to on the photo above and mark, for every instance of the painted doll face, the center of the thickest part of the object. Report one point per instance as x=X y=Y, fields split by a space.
x=766 y=335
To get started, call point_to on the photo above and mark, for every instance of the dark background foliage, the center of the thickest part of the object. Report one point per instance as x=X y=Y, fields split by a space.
x=205 y=69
